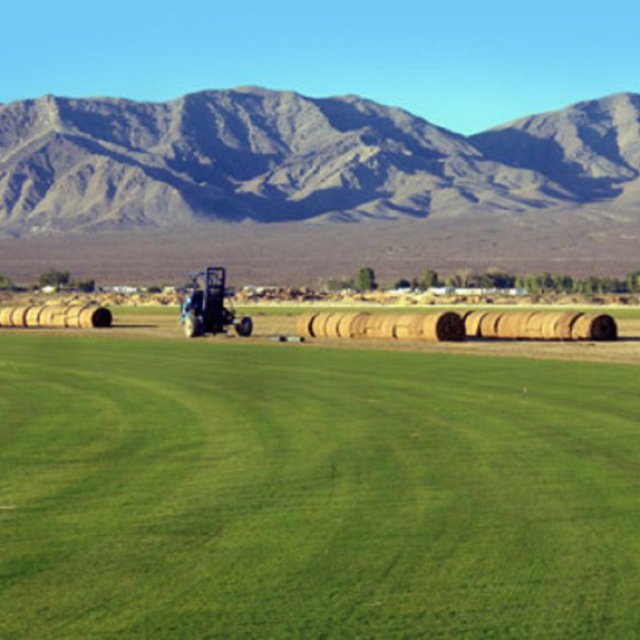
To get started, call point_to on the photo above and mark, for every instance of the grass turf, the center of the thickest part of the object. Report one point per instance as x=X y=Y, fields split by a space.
x=152 y=489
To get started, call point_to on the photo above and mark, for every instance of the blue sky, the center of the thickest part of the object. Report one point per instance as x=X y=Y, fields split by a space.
x=463 y=65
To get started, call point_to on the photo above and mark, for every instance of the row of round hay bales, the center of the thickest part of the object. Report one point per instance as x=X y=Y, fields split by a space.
x=56 y=316
x=539 y=325
x=441 y=327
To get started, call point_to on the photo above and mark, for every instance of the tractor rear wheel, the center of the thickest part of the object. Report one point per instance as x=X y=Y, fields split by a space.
x=244 y=327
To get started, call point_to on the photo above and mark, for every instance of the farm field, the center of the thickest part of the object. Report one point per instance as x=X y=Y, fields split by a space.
x=220 y=488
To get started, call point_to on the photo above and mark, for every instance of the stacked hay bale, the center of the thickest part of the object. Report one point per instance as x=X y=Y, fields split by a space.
x=439 y=327
x=540 y=325
x=56 y=316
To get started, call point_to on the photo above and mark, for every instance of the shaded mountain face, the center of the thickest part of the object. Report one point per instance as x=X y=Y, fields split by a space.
x=272 y=156
x=591 y=149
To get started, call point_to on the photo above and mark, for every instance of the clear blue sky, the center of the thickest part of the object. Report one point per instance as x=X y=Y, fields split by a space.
x=460 y=64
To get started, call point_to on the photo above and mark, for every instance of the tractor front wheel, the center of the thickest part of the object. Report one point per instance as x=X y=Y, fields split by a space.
x=193 y=327
x=244 y=327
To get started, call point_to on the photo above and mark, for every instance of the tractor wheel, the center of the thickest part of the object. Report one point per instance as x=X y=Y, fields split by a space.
x=244 y=327
x=193 y=327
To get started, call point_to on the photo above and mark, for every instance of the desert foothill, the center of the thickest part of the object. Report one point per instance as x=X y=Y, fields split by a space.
x=349 y=350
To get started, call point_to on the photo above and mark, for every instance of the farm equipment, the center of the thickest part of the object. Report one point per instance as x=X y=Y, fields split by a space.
x=204 y=309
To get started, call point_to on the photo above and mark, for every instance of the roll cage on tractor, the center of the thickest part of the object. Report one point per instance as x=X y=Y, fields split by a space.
x=203 y=310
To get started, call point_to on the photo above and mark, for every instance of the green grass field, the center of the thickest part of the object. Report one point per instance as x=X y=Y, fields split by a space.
x=194 y=490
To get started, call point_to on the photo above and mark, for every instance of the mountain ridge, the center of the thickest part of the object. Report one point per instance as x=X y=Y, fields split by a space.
x=70 y=164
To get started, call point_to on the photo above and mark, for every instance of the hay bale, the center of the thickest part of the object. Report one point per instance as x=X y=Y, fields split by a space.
x=346 y=323
x=565 y=323
x=594 y=327
x=533 y=327
x=5 y=316
x=409 y=326
x=472 y=323
x=303 y=324
x=358 y=326
x=33 y=316
x=54 y=317
x=19 y=316
x=388 y=326
x=319 y=326
x=95 y=317
x=549 y=323
x=512 y=326
x=73 y=314
x=443 y=327
x=374 y=325
x=488 y=325
x=331 y=327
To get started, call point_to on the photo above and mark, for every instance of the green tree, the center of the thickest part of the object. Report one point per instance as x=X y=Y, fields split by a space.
x=366 y=279
x=5 y=283
x=430 y=279
x=54 y=278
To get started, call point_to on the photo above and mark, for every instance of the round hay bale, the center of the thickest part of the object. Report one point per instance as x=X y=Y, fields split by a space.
x=54 y=317
x=533 y=327
x=304 y=324
x=488 y=326
x=472 y=323
x=443 y=327
x=409 y=326
x=374 y=325
x=317 y=322
x=388 y=326
x=33 y=316
x=19 y=316
x=510 y=327
x=358 y=326
x=595 y=327
x=549 y=325
x=72 y=316
x=345 y=324
x=565 y=323
x=331 y=327
x=5 y=316
x=95 y=317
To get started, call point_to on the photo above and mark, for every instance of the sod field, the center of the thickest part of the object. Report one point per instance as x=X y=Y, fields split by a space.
x=195 y=489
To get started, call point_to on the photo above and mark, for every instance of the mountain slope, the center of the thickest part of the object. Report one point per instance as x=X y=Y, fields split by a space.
x=592 y=149
x=232 y=155
x=269 y=156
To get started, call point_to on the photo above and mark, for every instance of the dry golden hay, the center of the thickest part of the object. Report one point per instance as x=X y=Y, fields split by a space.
x=303 y=324
x=95 y=317
x=472 y=323
x=5 y=317
x=488 y=327
x=73 y=313
x=19 y=316
x=346 y=323
x=409 y=326
x=443 y=327
x=331 y=328
x=33 y=316
x=533 y=328
x=358 y=326
x=595 y=327
x=549 y=323
x=511 y=326
x=388 y=325
x=565 y=324
x=374 y=325
x=54 y=317
x=319 y=326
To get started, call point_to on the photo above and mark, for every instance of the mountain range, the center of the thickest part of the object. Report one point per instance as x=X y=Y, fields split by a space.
x=270 y=156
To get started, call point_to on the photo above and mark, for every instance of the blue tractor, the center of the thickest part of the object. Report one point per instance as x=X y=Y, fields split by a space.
x=204 y=310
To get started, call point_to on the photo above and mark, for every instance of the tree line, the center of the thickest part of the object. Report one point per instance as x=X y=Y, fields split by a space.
x=365 y=280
